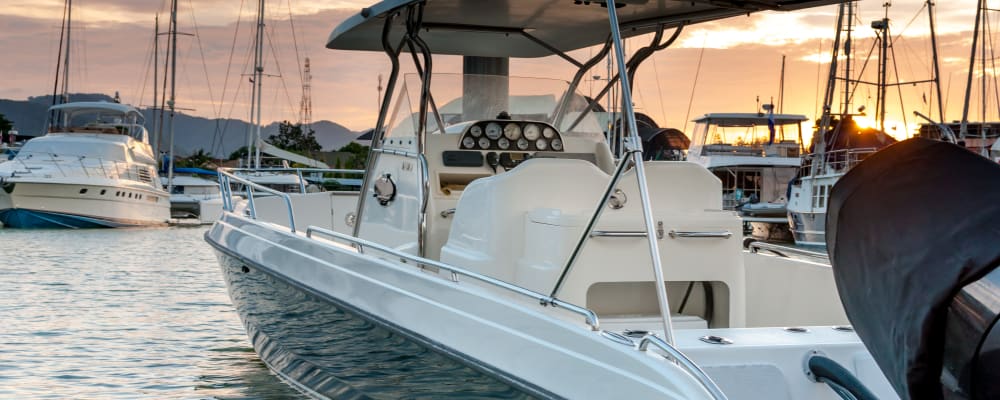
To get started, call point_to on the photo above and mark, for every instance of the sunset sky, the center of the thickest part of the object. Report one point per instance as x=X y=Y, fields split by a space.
x=740 y=59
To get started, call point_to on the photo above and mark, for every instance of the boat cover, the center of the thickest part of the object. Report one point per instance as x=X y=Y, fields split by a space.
x=906 y=230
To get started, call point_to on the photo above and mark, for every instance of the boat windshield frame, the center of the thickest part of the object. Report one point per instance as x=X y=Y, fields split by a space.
x=97 y=118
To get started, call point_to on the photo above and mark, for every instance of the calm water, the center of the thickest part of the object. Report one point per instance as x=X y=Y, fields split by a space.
x=127 y=313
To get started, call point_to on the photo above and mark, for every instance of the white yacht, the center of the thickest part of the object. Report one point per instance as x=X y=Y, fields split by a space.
x=94 y=168
x=503 y=253
x=755 y=155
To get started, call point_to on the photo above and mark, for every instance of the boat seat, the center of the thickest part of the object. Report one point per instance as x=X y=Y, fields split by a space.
x=488 y=230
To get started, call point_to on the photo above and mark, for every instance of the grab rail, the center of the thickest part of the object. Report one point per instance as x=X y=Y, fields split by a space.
x=685 y=363
x=700 y=235
x=755 y=247
x=225 y=186
x=544 y=300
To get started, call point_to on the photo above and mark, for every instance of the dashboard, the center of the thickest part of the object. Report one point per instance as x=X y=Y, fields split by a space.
x=509 y=135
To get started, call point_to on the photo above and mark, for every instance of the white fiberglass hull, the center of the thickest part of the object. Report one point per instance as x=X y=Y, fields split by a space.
x=64 y=204
x=335 y=322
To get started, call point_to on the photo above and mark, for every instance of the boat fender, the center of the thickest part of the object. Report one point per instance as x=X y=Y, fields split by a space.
x=823 y=369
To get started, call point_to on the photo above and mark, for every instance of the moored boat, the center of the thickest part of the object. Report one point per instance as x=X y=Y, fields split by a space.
x=93 y=169
x=506 y=251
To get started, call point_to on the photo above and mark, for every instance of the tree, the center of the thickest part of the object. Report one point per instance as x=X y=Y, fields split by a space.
x=5 y=126
x=290 y=137
x=359 y=155
x=196 y=160
x=239 y=154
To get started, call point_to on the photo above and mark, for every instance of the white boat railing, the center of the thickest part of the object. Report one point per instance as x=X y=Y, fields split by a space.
x=835 y=161
x=76 y=166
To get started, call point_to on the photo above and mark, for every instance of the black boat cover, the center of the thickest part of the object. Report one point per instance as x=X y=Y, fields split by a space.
x=906 y=230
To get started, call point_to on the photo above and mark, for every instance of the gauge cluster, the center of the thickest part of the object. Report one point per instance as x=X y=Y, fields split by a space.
x=508 y=135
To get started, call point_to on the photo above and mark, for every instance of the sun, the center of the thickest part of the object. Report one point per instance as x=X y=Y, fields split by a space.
x=865 y=121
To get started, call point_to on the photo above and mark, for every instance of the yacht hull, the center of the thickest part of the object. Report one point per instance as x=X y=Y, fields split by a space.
x=39 y=205
x=808 y=228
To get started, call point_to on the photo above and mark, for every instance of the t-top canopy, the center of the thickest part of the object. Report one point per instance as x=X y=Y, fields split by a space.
x=749 y=119
x=496 y=28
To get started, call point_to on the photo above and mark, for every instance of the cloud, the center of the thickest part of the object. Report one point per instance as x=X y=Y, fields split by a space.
x=112 y=51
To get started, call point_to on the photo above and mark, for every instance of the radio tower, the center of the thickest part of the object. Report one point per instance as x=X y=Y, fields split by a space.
x=305 y=108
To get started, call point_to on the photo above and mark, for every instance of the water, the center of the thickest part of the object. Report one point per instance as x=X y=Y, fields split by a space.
x=122 y=313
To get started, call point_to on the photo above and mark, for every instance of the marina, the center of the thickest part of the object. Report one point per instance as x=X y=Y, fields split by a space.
x=512 y=217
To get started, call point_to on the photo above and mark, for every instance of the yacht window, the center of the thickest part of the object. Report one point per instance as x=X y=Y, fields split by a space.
x=83 y=191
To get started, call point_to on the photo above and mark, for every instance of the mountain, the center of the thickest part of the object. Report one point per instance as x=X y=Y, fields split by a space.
x=220 y=137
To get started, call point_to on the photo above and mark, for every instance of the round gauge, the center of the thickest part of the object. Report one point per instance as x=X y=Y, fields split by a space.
x=512 y=131
x=493 y=130
x=549 y=133
x=468 y=142
x=503 y=143
x=532 y=131
x=556 y=145
x=484 y=143
x=542 y=144
x=476 y=131
x=522 y=144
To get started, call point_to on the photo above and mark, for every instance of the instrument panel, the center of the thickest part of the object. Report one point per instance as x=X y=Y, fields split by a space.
x=509 y=135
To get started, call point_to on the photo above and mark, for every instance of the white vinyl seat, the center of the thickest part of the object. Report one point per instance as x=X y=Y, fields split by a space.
x=487 y=233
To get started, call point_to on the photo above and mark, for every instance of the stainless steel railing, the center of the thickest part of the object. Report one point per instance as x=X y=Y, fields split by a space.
x=226 y=180
x=361 y=244
x=784 y=251
x=684 y=362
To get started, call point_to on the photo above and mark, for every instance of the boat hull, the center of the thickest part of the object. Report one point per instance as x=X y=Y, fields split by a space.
x=323 y=315
x=39 y=205
x=324 y=348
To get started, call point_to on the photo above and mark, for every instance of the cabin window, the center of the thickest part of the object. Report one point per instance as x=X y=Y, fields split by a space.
x=83 y=191
x=103 y=191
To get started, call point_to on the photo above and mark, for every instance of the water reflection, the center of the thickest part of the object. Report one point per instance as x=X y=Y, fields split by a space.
x=122 y=313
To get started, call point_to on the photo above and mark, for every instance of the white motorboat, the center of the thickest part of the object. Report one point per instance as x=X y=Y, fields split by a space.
x=502 y=253
x=190 y=188
x=755 y=155
x=93 y=169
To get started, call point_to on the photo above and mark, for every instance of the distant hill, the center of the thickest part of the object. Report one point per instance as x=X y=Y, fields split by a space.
x=190 y=133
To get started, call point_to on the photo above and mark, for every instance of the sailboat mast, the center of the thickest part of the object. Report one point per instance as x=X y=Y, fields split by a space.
x=258 y=75
x=156 y=76
x=883 y=64
x=69 y=21
x=819 y=139
x=173 y=87
x=934 y=54
x=972 y=65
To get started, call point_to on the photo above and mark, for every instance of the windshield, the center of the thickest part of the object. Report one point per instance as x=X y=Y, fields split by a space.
x=50 y=147
x=750 y=135
x=461 y=98
x=93 y=120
